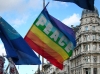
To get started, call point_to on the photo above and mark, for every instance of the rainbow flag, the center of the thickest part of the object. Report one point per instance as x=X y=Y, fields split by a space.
x=51 y=39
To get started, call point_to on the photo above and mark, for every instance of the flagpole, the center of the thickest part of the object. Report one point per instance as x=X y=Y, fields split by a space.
x=42 y=57
x=44 y=6
x=39 y=66
x=39 y=55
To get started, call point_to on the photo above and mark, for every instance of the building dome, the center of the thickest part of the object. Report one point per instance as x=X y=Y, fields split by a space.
x=85 y=11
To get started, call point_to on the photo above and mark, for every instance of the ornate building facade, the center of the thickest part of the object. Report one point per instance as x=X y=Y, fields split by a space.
x=86 y=56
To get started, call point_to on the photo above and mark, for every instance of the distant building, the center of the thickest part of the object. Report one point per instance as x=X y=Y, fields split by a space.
x=2 y=61
x=86 y=56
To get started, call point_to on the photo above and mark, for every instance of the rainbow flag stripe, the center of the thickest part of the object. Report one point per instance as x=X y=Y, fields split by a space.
x=49 y=41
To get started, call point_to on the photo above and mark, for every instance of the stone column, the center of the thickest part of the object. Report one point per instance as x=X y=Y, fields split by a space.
x=81 y=38
x=82 y=71
x=91 y=70
x=91 y=47
x=2 y=60
x=98 y=70
x=91 y=59
x=97 y=47
x=81 y=47
x=98 y=59
x=74 y=71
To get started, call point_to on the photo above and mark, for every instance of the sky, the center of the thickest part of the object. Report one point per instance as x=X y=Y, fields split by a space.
x=20 y=14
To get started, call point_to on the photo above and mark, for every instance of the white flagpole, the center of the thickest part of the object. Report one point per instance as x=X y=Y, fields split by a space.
x=39 y=55
x=42 y=57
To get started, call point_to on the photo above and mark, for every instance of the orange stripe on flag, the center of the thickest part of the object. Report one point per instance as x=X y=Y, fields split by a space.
x=45 y=47
x=40 y=51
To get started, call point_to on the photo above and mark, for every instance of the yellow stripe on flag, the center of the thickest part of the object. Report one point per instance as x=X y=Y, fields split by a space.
x=49 y=42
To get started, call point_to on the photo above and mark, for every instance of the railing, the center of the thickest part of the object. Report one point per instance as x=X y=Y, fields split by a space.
x=88 y=31
x=87 y=41
x=85 y=52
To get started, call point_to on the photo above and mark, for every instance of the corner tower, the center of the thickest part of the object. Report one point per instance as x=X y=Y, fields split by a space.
x=86 y=56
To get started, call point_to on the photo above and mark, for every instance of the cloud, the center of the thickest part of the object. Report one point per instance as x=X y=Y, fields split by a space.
x=17 y=12
x=2 y=50
x=5 y=5
x=19 y=21
x=58 y=4
x=72 y=20
x=19 y=5
x=35 y=4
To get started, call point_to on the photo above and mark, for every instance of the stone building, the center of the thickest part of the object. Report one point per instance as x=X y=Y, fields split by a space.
x=86 y=56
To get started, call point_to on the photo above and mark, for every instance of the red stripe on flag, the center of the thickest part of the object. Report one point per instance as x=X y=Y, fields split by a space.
x=40 y=51
x=45 y=47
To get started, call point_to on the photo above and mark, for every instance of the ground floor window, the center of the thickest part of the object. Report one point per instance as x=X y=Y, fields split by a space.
x=95 y=71
x=87 y=71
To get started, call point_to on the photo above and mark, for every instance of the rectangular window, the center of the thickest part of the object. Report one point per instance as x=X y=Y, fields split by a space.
x=95 y=71
x=86 y=47
x=95 y=59
x=93 y=28
x=94 y=37
x=99 y=37
x=86 y=37
x=99 y=46
x=94 y=46
x=86 y=28
x=87 y=58
x=87 y=71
